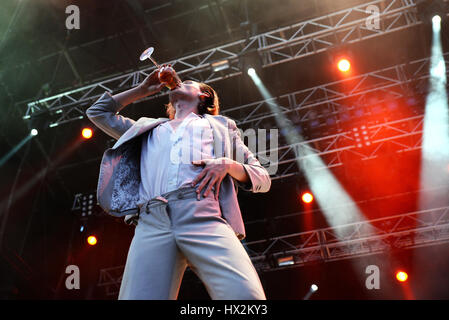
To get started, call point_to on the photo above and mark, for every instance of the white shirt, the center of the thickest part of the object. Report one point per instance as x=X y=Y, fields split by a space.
x=167 y=155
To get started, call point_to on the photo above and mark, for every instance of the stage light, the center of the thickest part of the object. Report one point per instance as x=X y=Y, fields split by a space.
x=429 y=9
x=87 y=204
x=87 y=133
x=436 y=19
x=361 y=137
x=401 y=276
x=34 y=132
x=307 y=197
x=344 y=65
x=286 y=261
x=313 y=288
x=92 y=240
x=436 y=23
x=251 y=72
x=220 y=65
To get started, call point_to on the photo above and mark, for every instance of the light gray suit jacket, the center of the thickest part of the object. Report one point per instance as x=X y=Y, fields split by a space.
x=119 y=178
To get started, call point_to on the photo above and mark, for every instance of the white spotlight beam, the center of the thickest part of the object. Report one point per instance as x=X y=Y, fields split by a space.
x=401 y=136
x=312 y=290
x=435 y=145
x=394 y=82
x=13 y=151
x=327 y=190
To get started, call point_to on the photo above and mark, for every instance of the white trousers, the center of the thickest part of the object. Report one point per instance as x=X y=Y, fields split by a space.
x=180 y=231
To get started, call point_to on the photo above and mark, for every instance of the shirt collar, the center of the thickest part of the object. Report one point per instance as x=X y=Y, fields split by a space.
x=193 y=114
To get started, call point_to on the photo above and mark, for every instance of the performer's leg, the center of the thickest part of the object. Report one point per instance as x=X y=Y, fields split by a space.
x=155 y=266
x=213 y=250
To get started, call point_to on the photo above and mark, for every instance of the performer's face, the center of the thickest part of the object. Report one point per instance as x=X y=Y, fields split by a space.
x=188 y=90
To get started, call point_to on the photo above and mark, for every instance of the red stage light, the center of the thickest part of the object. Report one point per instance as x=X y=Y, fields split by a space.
x=401 y=276
x=307 y=197
x=87 y=133
x=344 y=65
x=92 y=240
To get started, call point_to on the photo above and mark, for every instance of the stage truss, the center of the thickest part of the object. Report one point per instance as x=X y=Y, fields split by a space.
x=278 y=46
x=358 y=239
x=394 y=131
x=395 y=136
x=423 y=228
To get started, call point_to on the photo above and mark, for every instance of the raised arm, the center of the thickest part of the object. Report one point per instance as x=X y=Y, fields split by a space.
x=104 y=112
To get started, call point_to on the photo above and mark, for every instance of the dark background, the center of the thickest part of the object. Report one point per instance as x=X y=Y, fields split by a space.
x=38 y=184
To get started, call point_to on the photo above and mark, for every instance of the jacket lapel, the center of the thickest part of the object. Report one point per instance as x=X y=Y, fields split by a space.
x=222 y=143
x=142 y=125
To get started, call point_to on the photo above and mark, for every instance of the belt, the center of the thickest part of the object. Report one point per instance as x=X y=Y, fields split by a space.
x=179 y=194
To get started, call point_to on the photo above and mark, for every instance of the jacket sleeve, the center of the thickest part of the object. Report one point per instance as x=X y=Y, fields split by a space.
x=260 y=180
x=104 y=114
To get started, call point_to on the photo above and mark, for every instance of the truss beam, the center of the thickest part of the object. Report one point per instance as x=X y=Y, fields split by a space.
x=358 y=239
x=398 y=136
x=277 y=46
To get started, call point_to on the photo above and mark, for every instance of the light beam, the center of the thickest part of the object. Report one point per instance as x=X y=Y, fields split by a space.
x=327 y=191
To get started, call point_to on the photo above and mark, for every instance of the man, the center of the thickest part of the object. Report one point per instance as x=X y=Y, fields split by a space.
x=186 y=212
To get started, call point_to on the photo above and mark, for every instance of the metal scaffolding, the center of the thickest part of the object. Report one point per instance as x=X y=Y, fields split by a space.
x=398 y=136
x=329 y=101
x=409 y=230
x=363 y=238
x=278 y=46
x=318 y=104
x=358 y=239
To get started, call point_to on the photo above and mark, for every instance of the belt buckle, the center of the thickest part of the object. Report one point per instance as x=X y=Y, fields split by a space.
x=160 y=198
